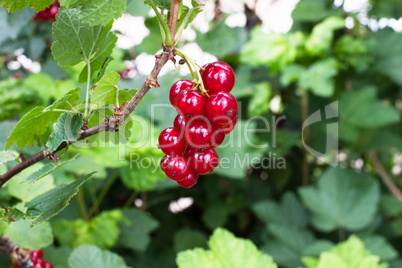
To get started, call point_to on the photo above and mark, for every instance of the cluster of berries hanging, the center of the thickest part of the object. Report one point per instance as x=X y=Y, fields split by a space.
x=49 y=14
x=206 y=113
x=37 y=260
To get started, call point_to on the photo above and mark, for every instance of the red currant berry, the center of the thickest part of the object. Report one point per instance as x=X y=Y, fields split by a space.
x=36 y=254
x=221 y=108
x=199 y=132
x=217 y=76
x=164 y=162
x=218 y=136
x=37 y=263
x=47 y=264
x=180 y=122
x=229 y=127
x=204 y=161
x=171 y=141
x=54 y=10
x=190 y=181
x=16 y=265
x=177 y=168
x=190 y=103
x=177 y=87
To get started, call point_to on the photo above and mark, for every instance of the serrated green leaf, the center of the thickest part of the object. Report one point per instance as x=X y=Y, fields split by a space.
x=226 y=251
x=107 y=92
x=52 y=202
x=101 y=11
x=321 y=37
x=33 y=238
x=70 y=3
x=47 y=169
x=183 y=12
x=162 y=4
x=136 y=229
x=25 y=191
x=33 y=124
x=14 y=5
x=89 y=256
x=75 y=42
x=343 y=199
x=67 y=129
x=12 y=214
x=349 y=254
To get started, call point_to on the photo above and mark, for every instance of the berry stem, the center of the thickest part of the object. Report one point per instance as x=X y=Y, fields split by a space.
x=167 y=40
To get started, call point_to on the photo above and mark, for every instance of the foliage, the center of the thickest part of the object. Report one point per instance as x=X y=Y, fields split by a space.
x=321 y=83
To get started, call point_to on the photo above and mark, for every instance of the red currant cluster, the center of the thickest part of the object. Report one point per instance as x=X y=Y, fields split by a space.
x=49 y=14
x=206 y=113
x=37 y=260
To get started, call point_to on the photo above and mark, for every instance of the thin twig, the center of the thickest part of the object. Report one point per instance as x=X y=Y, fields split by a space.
x=386 y=179
x=16 y=253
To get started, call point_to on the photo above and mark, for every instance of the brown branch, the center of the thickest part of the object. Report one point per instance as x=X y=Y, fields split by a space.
x=16 y=253
x=174 y=14
x=386 y=179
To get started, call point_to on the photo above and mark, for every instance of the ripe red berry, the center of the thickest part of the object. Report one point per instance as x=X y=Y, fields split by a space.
x=190 y=103
x=37 y=262
x=229 y=127
x=204 y=161
x=171 y=141
x=177 y=168
x=180 y=122
x=36 y=254
x=198 y=132
x=221 y=108
x=54 y=10
x=217 y=76
x=177 y=87
x=47 y=264
x=218 y=136
x=164 y=162
x=189 y=181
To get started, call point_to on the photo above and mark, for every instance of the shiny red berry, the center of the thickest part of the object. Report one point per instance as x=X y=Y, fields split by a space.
x=54 y=10
x=198 y=132
x=47 y=264
x=37 y=263
x=178 y=168
x=180 y=122
x=229 y=127
x=218 y=136
x=171 y=141
x=217 y=76
x=164 y=162
x=190 y=103
x=36 y=254
x=189 y=181
x=204 y=161
x=221 y=108
x=177 y=87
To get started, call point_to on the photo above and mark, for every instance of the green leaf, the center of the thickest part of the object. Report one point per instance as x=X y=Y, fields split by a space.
x=47 y=169
x=356 y=108
x=25 y=191
x=102 y=230
x=226 y=251
x=391 y=205
x=75 y=42
x=259 y=103
x=309 y=11
x=70 y=3
x=67 y=129
x=222 y=40
x=33 y=238
x=216 y=215
x=378 y=245
x=343 y=199
x=162 y=4
x=349 y=254
x=319 y=77
x=137 y=8
x=33 y=124
x=101 y=11
x=187 y=238
x=89 y=256
x=106 y=91
x=278 y=50
x=136 y=229
x=288 y=212
x=321 y=37
x=14 y=5
x=57 y=256
x=52 y=202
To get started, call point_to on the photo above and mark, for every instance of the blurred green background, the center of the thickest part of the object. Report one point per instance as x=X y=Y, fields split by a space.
x=345 y=55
